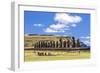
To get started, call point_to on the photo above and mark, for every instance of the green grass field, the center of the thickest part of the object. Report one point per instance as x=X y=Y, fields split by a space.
x=31 y=55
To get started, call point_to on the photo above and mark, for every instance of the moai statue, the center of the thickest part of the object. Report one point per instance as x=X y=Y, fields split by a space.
x=68 y=43
x=73 y=40
x=64 y=44
x=41 y=44
x=57 y=44
x=71 y=43
x=50 y=44
x=60 y=40
x=78 y=43
x=38 y=44
x=53 y=44
x=46 y=44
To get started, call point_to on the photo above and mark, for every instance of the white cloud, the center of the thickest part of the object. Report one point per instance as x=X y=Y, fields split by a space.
x=73 y=25
x=57 y=26
x=50 y=30
x=63 y=22
x=65 y=18
x=37 y=25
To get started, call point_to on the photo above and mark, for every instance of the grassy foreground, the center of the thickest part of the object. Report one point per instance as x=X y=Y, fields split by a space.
x=31 y=55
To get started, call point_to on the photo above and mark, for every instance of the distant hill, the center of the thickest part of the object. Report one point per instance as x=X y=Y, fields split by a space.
x=45 y=35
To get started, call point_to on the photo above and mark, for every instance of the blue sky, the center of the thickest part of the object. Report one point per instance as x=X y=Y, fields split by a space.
x=72 y=24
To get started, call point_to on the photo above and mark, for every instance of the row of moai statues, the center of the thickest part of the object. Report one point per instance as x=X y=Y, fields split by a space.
x=68 y=43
